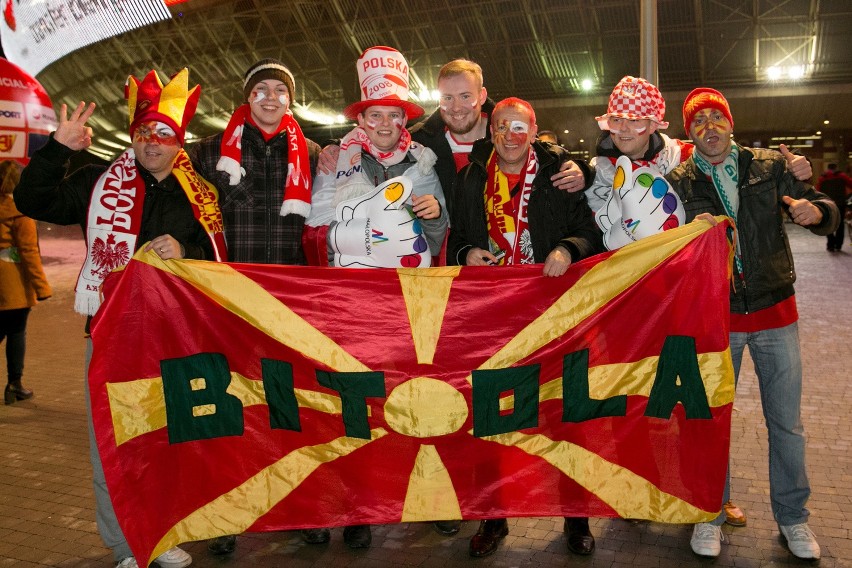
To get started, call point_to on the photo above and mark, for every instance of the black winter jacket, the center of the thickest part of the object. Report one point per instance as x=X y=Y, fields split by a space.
x=45 y=194
x=556 y=217
x=768 y=272
x=254 y=230
x=432 y=134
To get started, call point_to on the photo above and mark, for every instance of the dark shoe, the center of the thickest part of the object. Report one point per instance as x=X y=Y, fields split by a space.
x=357 y=536
x=580 y=539
x=316 y=536
x=447 y=528
x=16 y=391
x=489 y=535
x=222 y=544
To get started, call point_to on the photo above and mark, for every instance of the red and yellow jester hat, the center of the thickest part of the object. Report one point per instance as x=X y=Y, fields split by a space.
x=173 y=104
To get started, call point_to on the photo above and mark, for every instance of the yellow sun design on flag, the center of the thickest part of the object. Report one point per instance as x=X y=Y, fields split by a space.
x=422 y=407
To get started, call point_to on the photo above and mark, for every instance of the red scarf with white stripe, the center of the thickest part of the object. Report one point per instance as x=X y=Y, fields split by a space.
x=115 y=218
x=297 y=187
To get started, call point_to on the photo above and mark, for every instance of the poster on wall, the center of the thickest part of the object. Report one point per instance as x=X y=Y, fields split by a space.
x=35 y=33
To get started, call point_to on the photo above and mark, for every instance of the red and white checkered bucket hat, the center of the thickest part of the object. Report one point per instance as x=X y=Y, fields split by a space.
x=635 y=98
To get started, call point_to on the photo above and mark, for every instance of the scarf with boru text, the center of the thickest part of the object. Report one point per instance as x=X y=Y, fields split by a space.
x=297 y=187
x=114 y=220
x=507 y=214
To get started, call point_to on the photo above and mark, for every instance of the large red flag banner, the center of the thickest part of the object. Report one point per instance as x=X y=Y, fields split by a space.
x=238 y=397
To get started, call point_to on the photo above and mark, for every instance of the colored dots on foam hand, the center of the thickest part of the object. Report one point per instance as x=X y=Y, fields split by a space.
x=410 y=261
x=659 y=188
x=669 y=203
x=417 y=227
x=645 y=180
x=618 y=180
x=420 y=245
x=393 y=192
x=671 y=223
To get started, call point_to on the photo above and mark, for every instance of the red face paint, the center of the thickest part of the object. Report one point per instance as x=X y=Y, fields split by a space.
x=153 y=132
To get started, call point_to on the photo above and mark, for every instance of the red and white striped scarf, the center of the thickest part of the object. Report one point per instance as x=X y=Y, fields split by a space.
x=296 y=193
x=507 y=216
x=115 y=218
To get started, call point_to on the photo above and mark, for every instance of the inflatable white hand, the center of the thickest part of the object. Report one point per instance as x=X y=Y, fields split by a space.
x=642 y=203
x=379 y=230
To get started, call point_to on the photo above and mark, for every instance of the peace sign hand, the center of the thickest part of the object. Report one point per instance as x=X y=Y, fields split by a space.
x=73 y=132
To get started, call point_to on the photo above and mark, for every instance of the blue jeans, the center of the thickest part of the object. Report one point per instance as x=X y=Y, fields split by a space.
x=778 y=365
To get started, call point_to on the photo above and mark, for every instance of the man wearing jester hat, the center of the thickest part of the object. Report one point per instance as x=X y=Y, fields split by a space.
x=149 y=194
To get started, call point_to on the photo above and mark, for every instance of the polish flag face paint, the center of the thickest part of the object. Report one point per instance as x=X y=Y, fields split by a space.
x=383 y=125
x=269 y=101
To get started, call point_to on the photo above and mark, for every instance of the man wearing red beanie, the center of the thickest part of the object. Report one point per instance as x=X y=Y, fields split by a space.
x=754 y=187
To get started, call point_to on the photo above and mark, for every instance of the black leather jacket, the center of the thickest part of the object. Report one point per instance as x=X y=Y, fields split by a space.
x=556 y=217
x=768 y=273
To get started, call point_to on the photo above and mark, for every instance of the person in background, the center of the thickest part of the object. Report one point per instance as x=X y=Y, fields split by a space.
x=164 y=203
x=754 y=187
x=548 y=136
x=22 y=281
x=838 y=186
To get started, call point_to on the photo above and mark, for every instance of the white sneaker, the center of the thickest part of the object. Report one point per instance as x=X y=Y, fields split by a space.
x=128 y=562
x=706 y=540
x=174 y=558
x=801 y=541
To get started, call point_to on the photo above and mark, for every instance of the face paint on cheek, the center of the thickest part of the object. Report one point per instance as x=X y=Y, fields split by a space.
x=257 y=96
x=371 y=124
x=398 y=123
x=284 y=100
x=518 y=138
x=641 y=130
x=165 y=140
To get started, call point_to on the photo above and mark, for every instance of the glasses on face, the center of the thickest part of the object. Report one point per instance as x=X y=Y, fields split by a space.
x=619 y=123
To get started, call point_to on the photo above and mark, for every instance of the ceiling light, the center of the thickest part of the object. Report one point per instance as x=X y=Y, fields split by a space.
x=826 y=121
x=796 y=71
x=586 y=84
x=774 y=73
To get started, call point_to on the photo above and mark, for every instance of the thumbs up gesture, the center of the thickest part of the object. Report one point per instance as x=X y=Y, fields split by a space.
x=802 y=212
x=799 y=166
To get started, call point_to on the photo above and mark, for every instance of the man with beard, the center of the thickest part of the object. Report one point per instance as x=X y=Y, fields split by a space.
x=462 y=117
